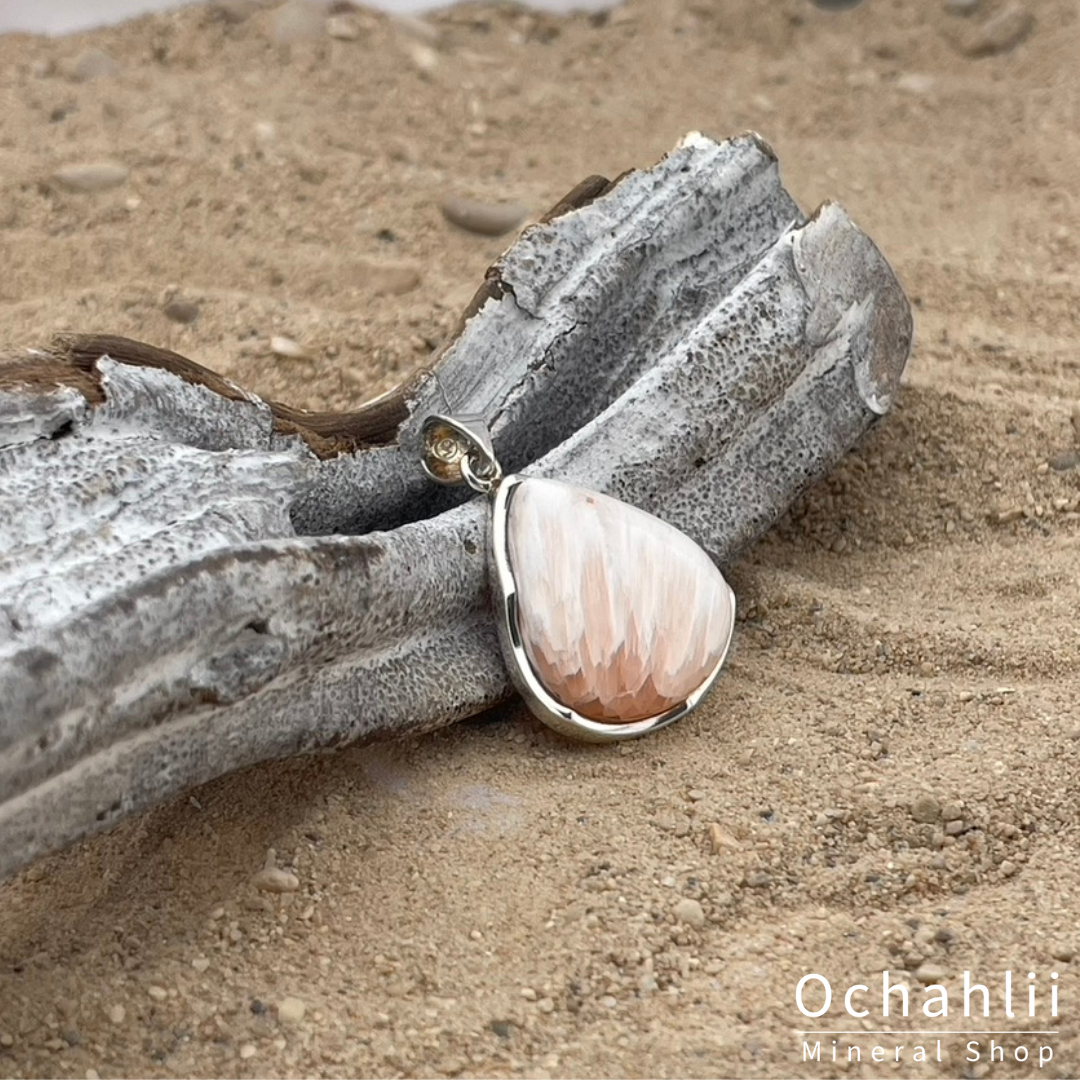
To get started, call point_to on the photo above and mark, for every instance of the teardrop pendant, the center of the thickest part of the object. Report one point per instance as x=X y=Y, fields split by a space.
x=612 y=623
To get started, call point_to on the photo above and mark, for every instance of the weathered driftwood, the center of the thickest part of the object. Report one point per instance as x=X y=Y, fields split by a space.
x=193 y=580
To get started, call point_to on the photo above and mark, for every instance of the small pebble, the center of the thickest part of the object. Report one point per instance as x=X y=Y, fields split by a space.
x=1065 y=461
x=695 y=795
x=962 y=7
x=926 y=809
x=930 y=973
x=200 y=964
x=158 y=993
x=291 y=1010
x=528 y=993
x=952 y=812
x=272 y=879
x=181 y=311
x=91 y=176
x=1008 y=868
x=954 y=828
x=116 y=1014
x=487 y=219
x=1063 y=952
x=1004 y=517
x=247 y=1051
x=343 y=28
x=924 y=937
x=93 y=64
x=1001 y=33
x=720 y=841
x=6 y=1040
x=689 y=912
x=288 y=349
x=759 y=879
x=424 y=58
x=914 y=83
x=546 y=1005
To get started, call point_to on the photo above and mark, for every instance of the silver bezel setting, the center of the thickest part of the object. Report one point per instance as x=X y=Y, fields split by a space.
x=525 y=679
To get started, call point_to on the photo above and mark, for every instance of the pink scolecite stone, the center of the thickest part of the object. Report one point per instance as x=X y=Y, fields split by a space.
x=622 y=616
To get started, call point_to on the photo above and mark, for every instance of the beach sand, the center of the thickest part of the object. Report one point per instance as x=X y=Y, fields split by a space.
x=886 y=775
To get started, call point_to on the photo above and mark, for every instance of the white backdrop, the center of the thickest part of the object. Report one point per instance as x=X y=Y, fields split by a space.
x=64 y=16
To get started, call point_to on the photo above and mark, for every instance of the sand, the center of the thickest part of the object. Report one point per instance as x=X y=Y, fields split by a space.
x=886 y=776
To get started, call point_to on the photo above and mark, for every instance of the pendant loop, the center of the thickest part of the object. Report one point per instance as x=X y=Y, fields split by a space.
x=458 y=450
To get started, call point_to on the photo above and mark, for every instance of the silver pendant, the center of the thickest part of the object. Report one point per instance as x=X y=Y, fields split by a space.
x=612 y=623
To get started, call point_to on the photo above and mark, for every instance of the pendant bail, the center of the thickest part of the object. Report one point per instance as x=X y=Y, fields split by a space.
x=458 y=450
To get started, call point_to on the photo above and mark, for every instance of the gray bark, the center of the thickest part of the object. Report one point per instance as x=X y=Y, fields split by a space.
x=191 y=581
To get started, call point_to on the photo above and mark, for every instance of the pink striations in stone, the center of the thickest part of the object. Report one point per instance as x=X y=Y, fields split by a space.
x=622 y=616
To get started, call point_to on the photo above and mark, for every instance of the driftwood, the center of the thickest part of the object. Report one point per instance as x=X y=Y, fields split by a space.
x=193 y=580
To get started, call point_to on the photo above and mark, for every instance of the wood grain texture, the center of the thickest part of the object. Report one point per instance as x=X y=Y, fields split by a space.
x=193 y=580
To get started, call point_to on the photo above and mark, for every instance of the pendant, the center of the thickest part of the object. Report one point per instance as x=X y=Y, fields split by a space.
x=612 y=623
